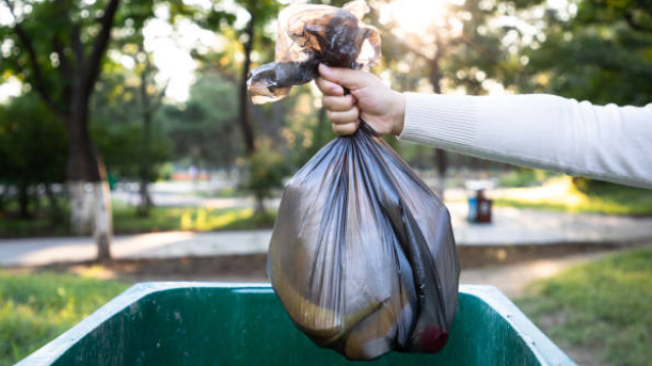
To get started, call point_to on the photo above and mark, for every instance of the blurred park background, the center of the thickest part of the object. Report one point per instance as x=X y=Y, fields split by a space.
x=129 y=151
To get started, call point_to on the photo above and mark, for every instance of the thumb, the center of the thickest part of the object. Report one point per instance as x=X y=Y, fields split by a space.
x=351 y=79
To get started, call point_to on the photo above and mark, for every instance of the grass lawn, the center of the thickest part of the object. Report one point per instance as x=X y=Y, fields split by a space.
x=36 y=308
x=604 y=307
x=189 y=218
x=125 y=221
x=559 y=194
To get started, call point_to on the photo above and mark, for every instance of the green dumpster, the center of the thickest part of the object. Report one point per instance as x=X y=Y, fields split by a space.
x=181 y=323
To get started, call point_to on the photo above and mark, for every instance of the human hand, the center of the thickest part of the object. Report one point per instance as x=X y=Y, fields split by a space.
x=379 y=106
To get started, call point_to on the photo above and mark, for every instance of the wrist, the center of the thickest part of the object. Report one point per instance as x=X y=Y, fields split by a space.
x=398 y=115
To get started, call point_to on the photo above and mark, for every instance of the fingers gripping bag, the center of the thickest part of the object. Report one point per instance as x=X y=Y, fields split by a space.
x=362 y=255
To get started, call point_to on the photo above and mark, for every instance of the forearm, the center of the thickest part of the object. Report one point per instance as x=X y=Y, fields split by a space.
x=539 y=131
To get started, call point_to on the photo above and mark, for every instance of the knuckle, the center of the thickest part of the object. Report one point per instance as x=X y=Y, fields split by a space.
x=336 y=117
x=339 y=104
x=326 y=102
x=353 y=113
x=350 y=101
x=322 y=85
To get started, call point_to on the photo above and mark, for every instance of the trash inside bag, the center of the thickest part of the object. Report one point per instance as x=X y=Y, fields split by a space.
x=362 y=255
x=311 y=34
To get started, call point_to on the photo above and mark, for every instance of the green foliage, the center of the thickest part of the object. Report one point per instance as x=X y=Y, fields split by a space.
x=54 y=29
x=267 y=169
x=592 y=186
x=39 y=223
x=32 y=143
x=602 y=306
x=204 y=129
x=35 y=308
x=523 y=177
x=121 y=148
x=33 y=150
x=603 y=54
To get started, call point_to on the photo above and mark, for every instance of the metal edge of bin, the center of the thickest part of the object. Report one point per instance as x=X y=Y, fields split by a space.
x=49 y=353
x=543 y=348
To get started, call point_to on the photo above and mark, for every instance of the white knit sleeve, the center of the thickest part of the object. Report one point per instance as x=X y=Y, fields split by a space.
x=540 y=131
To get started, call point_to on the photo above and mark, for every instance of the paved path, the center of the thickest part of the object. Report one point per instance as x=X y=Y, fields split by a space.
x=512 y=279
x=511 y=227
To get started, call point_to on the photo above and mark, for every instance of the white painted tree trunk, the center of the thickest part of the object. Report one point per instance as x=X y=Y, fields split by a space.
x=81 y=208
x=103 y=220
x=90 y=213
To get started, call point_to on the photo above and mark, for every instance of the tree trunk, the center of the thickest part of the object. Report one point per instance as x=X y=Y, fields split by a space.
x=56 y=214
x=245 y=124
x=441 y=162
x=82 y=165
x=442 y=167
x=89 y=193
x=72 y=107
x=145 y=200
x=103 y=215
x=259 y=208
x=81 y=212
x=23 y=200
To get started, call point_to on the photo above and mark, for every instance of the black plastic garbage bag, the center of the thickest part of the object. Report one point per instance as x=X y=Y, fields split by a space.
x=362 y=255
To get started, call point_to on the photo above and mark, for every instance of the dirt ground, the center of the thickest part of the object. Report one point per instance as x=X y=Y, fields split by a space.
x=480 y=265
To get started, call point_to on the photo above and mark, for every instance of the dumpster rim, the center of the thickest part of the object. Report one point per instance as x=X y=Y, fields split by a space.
x=543 y=349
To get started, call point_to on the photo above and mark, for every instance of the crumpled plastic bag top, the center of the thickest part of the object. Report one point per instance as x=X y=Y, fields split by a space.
x=311 y=34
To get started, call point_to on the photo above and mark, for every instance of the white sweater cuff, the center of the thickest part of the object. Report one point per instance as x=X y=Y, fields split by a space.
x=444 y=121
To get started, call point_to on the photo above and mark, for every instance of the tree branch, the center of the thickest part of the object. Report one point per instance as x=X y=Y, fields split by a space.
x=158 y=101
x=480 y=49
x=77 y=48
x=629 y=19
x=64 y=69
x=39 y=81
x=95 y=59
x=407 y=47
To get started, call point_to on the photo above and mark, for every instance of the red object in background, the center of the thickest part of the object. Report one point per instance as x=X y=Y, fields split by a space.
x=480 y=208
x=484 y=208
x=186 y=177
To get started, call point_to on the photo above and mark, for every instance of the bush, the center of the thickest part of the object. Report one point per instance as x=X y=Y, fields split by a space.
x=267 y=169
x=523 y=177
